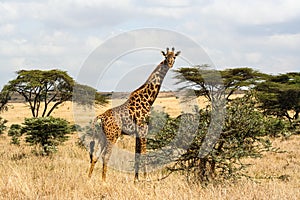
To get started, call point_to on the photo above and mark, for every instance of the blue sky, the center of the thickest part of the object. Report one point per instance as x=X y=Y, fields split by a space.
x=60 y=34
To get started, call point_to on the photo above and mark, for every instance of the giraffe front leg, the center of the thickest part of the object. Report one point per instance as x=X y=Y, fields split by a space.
x=143 y=153
x=140 y=151
x=137 y=158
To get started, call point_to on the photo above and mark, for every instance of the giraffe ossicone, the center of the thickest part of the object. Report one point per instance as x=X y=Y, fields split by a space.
x=130 y=118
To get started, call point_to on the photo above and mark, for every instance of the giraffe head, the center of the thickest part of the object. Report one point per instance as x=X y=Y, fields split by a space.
x=170 y=56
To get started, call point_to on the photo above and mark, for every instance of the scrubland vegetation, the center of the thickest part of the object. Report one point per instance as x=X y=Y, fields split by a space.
x=254 y=155
x=64 y=174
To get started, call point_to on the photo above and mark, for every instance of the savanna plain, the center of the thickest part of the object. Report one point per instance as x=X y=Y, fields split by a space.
x=64 y=174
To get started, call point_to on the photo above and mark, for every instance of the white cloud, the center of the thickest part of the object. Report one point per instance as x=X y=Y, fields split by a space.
x=92 y=42
x=8 y=12
x=173 y=12
x=63 y=33
x=284 y=41
x=170 y=4
x=175 y=9
x=253 y=57
x=86 y=14
x=7 y=29
x=67 y=13
x=254 y=11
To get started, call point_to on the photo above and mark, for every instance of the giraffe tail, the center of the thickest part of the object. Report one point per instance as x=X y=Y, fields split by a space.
x=92 y=143
x=98 y=134
x=94 y=129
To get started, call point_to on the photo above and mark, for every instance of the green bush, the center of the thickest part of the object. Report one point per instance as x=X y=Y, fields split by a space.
x=46 y=133
x=161 y=130
x=245 y=133
x=15 y=131
x=295 y=127
x=276 y=127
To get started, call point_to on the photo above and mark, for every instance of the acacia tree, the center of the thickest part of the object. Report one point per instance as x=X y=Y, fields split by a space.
x=238 y=78
x=221 y=143
x=43 y=90
x=217 y=86
x=242 y=136
x=279 y=95
x=207 y=82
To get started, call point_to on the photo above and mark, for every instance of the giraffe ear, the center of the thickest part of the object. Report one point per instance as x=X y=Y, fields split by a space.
x=163 y=53
x=177 y=53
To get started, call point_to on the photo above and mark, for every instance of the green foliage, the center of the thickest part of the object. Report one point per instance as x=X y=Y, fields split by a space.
x=201 y=79
x=161 y=130
x=41 y=88
x=244 y=134
x=168 y=137
x=2 y=125
x=46 y=132
x=246 y=130
x=4 y=98
x=237 y=78
x=86 y=95
x=76 y=127
x=15 y=132
x=204 y=80
x=295 y=126
x=280 y=96
x=276 y=127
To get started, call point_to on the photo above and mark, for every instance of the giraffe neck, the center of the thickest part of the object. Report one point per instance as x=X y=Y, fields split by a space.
x=150 y=89
x=158 y=75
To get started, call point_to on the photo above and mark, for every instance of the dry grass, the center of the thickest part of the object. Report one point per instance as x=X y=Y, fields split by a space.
x=64 y=175
x=171 y=105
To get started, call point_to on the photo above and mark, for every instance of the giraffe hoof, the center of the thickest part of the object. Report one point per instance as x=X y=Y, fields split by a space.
x=104 y=183
x=136 y=181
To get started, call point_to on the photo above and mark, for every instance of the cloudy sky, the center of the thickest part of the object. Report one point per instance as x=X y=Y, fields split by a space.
x=63 y=34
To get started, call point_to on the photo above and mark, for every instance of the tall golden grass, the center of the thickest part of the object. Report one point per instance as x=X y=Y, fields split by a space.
x=64 y=175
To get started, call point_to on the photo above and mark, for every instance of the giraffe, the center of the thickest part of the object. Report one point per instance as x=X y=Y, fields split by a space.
x=130 y=118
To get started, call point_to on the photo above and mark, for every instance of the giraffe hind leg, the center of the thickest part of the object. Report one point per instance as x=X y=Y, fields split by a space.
x=93 y=162
x=94 y=159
